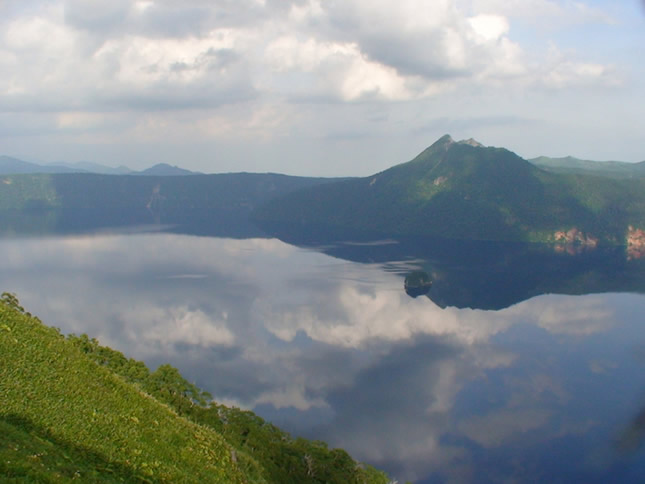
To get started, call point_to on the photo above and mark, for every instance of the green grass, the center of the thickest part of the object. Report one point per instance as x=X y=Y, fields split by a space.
x=73 y=410
x=262 y=450
x=29 y=453
x=51 y=384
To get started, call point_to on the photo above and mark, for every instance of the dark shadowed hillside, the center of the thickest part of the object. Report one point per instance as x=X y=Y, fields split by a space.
x=199 y=204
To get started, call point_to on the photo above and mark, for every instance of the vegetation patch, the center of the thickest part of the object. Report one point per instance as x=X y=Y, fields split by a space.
x=72 y=409
x=469 y=192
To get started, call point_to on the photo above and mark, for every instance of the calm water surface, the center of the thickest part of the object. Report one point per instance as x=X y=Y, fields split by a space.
x=550 y=388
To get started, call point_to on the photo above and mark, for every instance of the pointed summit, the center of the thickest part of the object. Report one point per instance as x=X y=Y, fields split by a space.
x=444 y=142
x=471 y=142
x=442 y=145
x=164 y=169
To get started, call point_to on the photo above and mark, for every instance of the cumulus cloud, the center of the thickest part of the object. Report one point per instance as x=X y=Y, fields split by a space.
x=565 y=316
x=154 y=55
x=176 y=325
x=354 y=316
x=74 y=64
x=561 y=71
x=331 y=70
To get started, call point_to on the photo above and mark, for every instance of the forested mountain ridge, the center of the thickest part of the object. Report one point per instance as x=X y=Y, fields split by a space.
x=200 y=204
x=463 y=190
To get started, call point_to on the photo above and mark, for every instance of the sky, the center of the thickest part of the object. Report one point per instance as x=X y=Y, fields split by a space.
x=317 y=87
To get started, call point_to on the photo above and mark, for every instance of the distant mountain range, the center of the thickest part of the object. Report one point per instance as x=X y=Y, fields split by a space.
x=89 y=167
x=10 y=166
x=463 y=190
x=569 y=164
x=14 y=166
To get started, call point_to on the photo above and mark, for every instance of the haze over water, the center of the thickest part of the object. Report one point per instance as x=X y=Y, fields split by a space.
x=548 y=388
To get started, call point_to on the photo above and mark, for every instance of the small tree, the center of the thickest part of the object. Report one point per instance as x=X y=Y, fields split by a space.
x=12 y=301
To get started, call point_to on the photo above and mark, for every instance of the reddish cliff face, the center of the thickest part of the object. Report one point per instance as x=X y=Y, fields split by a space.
x=574 y=241
x=635 y=243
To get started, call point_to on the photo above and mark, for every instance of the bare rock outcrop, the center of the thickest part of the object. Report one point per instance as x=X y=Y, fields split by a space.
x=574 y=241
x=635 y=243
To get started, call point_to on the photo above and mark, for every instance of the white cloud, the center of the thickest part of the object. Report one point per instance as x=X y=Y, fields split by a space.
x=489 y=27
x=293 y=396
x=350 y=50
x=562 y=71
x=177 y=324
x=143 y=61
x=332 y=69
x=556 y=12
x=433 y=40
x=364 y=316
x=576 y=317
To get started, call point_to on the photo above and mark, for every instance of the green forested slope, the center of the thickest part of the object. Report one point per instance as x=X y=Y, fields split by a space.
x=46 y=203
x=73 y=410
x=169 y=193
x=457 y=190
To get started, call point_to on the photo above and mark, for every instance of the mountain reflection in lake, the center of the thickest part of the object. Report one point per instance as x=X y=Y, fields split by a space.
x=546 y=389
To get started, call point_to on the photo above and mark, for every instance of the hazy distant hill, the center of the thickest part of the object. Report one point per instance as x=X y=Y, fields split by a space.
x=164 y=169
x=463 y=190
x=569 y=164
x=10 y=166
x=14 y=166
x=90 y=167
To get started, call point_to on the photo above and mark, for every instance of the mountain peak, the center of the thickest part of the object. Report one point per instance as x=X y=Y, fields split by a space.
x=445 y=141
x=164 y=169
x=471 y=142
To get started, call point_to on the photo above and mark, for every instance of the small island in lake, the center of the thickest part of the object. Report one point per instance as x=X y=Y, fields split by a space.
x=417 y=283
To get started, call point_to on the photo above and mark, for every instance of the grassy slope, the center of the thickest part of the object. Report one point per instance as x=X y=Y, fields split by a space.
x=262 y=450
x=31 y=453
x=53 y=387
x=72 y=409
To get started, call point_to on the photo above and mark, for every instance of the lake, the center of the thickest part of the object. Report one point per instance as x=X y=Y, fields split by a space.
x=520 y=364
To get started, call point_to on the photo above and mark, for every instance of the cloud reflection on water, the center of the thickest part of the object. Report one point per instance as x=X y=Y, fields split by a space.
x=262 y=324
